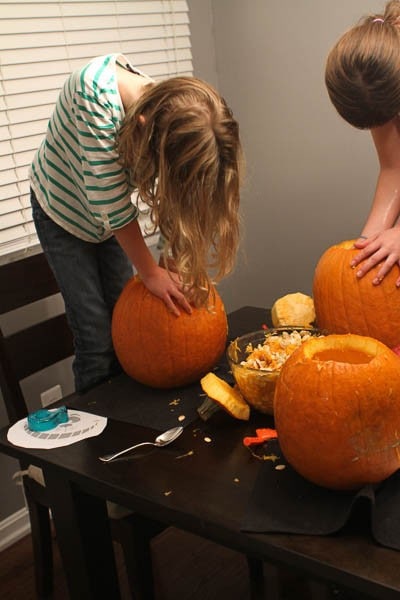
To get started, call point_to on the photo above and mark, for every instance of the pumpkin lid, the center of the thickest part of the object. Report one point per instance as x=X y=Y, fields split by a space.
x=229 y=398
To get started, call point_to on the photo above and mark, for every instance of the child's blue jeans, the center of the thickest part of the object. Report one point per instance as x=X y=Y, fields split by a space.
x=91 y=277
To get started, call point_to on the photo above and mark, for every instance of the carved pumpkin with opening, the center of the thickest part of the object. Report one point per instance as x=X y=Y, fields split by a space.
x=337 y=411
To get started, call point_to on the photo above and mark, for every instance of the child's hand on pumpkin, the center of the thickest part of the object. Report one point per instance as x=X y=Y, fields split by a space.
x=168 y=287
x=382 y=248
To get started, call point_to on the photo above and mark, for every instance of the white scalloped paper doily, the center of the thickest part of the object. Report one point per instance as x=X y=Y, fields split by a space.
x=81 y=425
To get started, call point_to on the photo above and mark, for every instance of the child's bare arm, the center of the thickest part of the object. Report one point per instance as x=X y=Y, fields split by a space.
x=155 y=278
x=380 y=240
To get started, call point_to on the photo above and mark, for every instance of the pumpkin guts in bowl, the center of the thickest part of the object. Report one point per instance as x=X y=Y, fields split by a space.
x=256 y=359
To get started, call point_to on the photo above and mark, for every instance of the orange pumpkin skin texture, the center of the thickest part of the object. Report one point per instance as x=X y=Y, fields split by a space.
x=159 y=349
x=337 y=411
x=345 y=304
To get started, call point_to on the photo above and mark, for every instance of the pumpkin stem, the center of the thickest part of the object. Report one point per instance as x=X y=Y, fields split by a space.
x=208 y=408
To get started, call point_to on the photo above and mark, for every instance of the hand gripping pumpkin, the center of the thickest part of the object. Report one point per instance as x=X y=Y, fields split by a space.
x=161 y=350
x=337 y=411
x=345 y=304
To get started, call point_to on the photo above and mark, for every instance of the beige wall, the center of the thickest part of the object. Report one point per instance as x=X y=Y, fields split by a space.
x=310 y=176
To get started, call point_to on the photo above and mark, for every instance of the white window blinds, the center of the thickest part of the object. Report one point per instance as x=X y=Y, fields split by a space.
x=40 y=44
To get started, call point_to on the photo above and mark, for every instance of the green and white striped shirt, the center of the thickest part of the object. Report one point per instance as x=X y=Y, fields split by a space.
x=75 y=173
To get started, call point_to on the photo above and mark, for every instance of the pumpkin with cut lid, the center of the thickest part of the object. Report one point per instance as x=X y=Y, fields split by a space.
x=160 y=349
x=337 y=411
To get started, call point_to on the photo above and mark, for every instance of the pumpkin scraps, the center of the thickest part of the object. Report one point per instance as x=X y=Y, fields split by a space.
x=174 y=402
x=190 y=453
x=293 y=310
x=274 y=351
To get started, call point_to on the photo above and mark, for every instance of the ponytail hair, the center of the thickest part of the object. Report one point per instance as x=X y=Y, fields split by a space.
x=362 y=73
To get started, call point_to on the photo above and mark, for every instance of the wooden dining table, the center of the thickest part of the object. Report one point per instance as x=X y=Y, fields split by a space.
x=202 y=483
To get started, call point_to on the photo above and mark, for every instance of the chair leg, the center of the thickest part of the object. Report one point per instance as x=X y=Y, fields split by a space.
x=256 y=578
x=134 y=533
x=42 y=547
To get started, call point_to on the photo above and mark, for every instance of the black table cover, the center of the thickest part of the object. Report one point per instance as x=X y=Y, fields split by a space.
x=283 y=501
x=160 y=409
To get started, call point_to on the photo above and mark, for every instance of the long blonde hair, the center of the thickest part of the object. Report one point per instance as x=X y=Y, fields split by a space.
x=181 y=146
x=362 y=72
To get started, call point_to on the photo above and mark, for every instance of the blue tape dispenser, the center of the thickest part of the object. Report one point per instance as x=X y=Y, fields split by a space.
x=44 y=419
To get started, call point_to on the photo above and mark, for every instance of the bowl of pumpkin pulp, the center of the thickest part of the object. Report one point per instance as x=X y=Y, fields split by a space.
x=256 y=359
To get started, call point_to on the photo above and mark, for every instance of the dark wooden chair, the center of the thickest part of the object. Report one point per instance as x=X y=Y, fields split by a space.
x=22 y=354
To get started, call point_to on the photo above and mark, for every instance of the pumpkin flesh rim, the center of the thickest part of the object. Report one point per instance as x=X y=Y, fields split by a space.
x=351 y=439
x=343 y=348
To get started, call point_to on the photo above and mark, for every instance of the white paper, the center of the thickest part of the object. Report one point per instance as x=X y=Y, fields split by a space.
x=81 y=425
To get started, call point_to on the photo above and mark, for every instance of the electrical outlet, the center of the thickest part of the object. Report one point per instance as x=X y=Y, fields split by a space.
x=51 y=395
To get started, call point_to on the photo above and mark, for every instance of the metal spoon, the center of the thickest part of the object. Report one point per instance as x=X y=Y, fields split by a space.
x=161 y=440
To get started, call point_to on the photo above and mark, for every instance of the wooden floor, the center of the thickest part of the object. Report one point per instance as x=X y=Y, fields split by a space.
x=186 y=567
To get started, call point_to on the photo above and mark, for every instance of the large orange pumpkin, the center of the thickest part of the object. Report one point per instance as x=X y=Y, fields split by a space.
x=161 y=350
x=337 y=411
x=345 y=304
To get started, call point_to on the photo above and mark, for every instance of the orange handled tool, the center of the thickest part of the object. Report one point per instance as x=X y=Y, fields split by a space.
x=263 y=435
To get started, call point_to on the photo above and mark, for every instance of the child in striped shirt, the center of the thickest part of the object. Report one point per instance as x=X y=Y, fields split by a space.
x=114 y=130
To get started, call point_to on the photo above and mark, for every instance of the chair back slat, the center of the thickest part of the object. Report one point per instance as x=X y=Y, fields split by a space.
x=10 y=388
x=39 y=346
x=25 y=281
x=33 y=347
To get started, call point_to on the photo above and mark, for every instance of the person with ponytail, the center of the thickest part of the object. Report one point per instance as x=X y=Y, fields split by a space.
x=362 y=77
